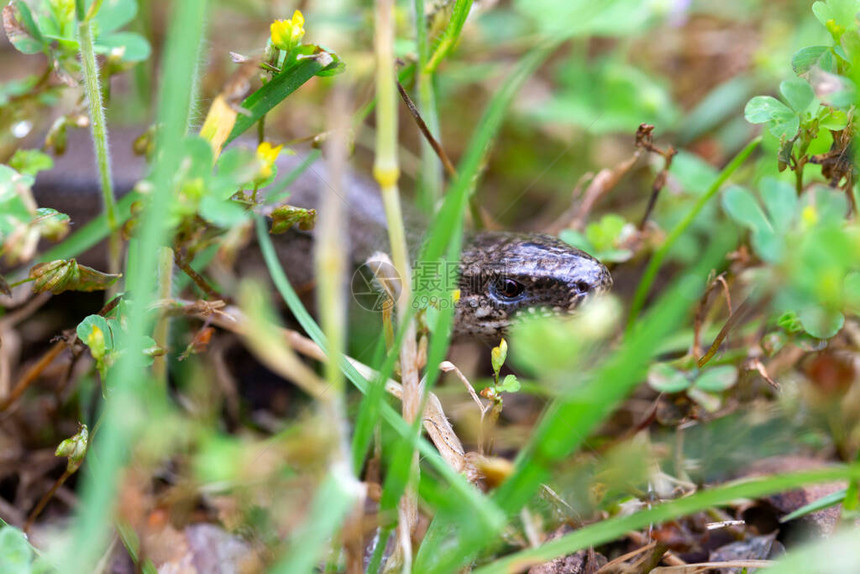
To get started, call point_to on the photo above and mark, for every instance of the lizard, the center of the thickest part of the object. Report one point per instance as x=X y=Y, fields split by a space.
x=501 y=274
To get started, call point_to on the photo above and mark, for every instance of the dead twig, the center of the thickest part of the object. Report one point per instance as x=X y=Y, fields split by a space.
x=645 y=140
x=199 y=280
x=425 y=131
x=449 y=367
x=733 y=319
x=702 y=308
x=45 y=361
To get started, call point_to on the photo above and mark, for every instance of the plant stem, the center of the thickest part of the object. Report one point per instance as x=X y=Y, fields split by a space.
x=386 y=170
x=100 y=141
x=161 y=333
x=431 y=176
x=659 y=255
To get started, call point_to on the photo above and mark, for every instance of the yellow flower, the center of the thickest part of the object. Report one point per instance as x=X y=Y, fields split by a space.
x=267 y=154
x=287 y=34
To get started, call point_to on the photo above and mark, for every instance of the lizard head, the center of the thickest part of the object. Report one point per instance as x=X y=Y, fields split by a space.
x=506 y=274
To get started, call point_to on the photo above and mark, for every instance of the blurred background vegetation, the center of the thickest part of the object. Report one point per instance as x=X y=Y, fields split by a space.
x=620 y=408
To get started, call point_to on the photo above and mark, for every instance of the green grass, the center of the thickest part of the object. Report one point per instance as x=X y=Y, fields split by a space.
x=799 y=252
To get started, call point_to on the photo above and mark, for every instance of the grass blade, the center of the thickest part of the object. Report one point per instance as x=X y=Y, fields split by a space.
x=123 y=414
x=460 y=490
x=614 y=528
x=657 y=259
x=568 y=422
x=263 y=100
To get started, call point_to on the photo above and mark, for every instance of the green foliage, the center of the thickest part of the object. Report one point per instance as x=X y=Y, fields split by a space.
x=583 y=18
x=610 y=96
x=705 y=387
x=107 y=339
x=75 y=449
x=810 y=252
x=21 y=223
x=68 y=275
x=801 y=274
x=17 y=556
x=298 y=67
x=603 y=239
x=820 y=101
x=30 y=162
x=49 y=27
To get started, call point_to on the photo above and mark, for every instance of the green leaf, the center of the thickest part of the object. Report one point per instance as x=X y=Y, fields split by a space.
x=13 y=209
x=604 y=233
x=509 y=385
x=835 y=90
x=780 y=202
x=798 y=93
x=768 y=245
x=87 y=328
x=223 y=213
x=692 y=172
x=717 y=379
x=708 y=401
x=67 y=275
x=811 y=57
x=51 y=224
x=274 y=92
x=790 y=323
x=74 y=448
x=287 y=216
x=236 y=168
x=832 y=119
x=135 y=48
x=21 y=28
x=30 y=161
x=837 y=15
x=665 y=378
x=763 y=109
x=576 y=239
x=16 y=554
x=608 y=95
x=782 y=121
x=743 y=208
x=826 y=501
x=450 y=36
x=498 y=356
x=825 y=205
x=820 y=323
x=113 y=15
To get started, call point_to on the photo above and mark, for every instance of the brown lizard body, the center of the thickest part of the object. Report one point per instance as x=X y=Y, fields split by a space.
x=501 y=274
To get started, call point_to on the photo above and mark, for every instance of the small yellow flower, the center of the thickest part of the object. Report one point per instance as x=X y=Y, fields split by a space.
x=287 y=34
x=267 y=155
x=96 y=342
x=809 y=216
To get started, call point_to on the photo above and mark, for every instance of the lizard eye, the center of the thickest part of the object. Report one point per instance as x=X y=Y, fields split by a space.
x=508 y=288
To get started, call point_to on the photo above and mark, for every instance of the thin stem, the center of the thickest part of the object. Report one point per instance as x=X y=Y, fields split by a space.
x=431 y=176
x=161 y=333
x=198 y=279
x=425 y=131
x=724 y=332
x=331 y=271
x=32 y=374
x=100 y=141
x=657 y=259
x=386 y=170
x=46 y=499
